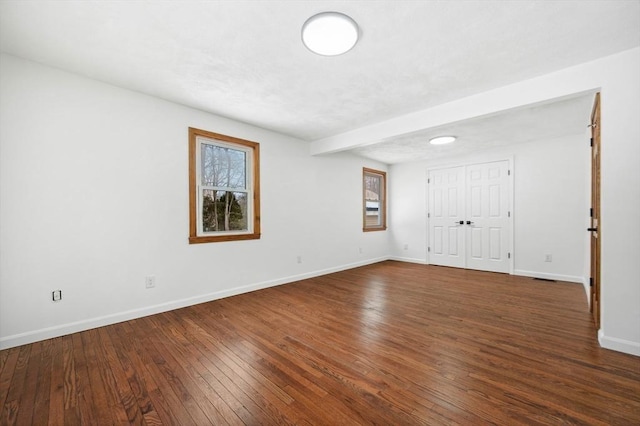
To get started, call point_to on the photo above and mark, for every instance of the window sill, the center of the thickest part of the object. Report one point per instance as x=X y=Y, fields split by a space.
x=381 y=228
x=221 y=238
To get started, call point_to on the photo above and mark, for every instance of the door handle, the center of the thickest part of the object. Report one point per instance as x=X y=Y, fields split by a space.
x=469 y=222
x=592 y=229
x=459 y=223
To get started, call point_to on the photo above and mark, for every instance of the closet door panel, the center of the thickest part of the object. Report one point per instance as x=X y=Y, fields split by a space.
x=488 y=210
x=469 y=220
x=447 y=209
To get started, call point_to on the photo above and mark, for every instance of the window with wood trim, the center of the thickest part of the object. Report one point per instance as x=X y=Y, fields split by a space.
x=374 y=200
x=224 y=188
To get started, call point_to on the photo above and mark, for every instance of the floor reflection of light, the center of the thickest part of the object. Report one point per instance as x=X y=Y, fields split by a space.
x=373 y=311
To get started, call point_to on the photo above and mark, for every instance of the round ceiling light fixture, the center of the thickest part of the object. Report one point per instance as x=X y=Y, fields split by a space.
x=441 y=140
x=330 y=33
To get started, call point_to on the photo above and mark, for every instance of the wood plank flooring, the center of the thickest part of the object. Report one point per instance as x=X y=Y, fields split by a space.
x=387 y=344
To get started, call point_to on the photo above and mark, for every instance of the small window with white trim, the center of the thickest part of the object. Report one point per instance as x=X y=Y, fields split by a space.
x=224 y=188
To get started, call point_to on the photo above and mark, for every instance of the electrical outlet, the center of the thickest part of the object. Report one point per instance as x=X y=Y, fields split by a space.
x=150 y=281
x=299 y=259
x=360 y=250
x=406 y=246
x=548 y=258
x=56 y=295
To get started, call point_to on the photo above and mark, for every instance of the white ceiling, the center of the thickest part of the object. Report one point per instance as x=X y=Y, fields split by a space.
x=245 y=60
x=536 y=122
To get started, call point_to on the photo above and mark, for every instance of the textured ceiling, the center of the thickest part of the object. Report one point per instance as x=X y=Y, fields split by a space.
x=536 y=122
x=245 y=60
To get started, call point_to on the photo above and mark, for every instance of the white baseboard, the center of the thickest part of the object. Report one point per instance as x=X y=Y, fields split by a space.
x=408 y=259
x=547 y=276
x=77 y=326
x=620 y=345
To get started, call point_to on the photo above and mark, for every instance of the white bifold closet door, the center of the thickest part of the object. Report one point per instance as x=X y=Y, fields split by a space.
x=469 y=217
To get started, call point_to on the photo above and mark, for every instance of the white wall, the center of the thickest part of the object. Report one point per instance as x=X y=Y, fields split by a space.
x=620 y=202
x=550 y=206
x=94 y=197
x=552 y=201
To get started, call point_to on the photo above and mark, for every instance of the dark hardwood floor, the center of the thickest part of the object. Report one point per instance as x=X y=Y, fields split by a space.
x=388 y=344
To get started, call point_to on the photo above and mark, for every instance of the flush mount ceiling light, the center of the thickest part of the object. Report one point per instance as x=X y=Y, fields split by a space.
x=330 y=33
x=441 y=140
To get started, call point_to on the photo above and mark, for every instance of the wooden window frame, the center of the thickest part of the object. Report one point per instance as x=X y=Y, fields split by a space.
x=253 y=185
x=383 y=202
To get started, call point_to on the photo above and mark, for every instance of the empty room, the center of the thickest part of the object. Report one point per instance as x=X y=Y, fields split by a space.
x=319 y=212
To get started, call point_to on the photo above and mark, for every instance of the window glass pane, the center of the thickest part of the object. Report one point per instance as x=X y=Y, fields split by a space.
x=372 y=187
x=372 y=213
x=222 y=166
x=224 y=211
